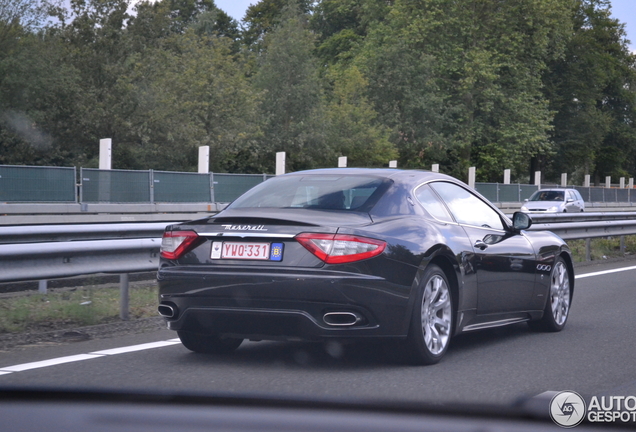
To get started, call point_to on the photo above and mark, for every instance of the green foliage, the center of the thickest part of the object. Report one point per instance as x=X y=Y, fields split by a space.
x=352 y=129
x=292 y=106
x=478 y=66
x=264 y=16
x=592 y=90
x=524 y=85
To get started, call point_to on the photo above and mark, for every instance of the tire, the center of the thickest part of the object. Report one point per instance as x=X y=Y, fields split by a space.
x=557 y=308
x=432 y=319
x=208 y=344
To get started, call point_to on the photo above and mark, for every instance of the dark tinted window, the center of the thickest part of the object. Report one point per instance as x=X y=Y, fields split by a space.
x=323 y=192
x=547 y=196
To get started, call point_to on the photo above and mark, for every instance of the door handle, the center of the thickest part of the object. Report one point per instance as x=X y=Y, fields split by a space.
x=479 y=244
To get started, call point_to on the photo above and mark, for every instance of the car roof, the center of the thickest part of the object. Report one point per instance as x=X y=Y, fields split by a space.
x=403 y=176
x=556 y=189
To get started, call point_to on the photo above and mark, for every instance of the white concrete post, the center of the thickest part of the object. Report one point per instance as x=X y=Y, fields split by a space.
x=608 y=182
x=342 y=162
x=564 y=179
x=393 y=164
x=507 y=176
x=622 y=182
x=471 y=177
x=204 y=159
x=631 y=183
x=280 y=163
x=586 y=182
x=105 y=153
x=537 y=178
x=435 y=168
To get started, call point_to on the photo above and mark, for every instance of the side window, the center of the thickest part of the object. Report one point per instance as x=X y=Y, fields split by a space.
x=466 y=207
x=578 y=196
x=432 y=204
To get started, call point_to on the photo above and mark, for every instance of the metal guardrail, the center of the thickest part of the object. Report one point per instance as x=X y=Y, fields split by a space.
x=30 y=253
x=54 y=251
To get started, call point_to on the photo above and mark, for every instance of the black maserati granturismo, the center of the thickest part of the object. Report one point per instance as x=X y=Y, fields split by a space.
x=348 y=253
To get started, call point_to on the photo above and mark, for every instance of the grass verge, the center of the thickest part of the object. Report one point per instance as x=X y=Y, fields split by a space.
x=73 y=307
x=602 y=248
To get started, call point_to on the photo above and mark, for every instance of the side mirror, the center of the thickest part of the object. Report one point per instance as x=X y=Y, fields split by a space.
x=570 y=200
x=525 y=200
x=521 y=221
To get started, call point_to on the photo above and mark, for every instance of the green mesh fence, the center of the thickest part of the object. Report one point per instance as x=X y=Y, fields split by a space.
x=488 y=190
x=181 y=187
x=526 y=191
x=37 y=184
x=115 y=186
x=228 y=187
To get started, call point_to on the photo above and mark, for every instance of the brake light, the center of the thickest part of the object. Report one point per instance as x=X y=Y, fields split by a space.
x=175 y=244
x=340 y=248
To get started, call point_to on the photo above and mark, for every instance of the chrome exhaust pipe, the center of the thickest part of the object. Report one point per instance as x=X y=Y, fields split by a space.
x=342 y=319
x=167 y=311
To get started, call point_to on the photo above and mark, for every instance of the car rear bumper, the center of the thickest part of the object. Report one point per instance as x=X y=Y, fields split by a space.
x=267 y=304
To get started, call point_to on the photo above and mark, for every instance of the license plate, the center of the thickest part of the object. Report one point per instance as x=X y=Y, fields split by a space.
x=247 y=251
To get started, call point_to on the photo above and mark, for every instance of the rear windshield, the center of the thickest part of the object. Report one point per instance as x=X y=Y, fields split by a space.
x=322 y=192
x=547 y=196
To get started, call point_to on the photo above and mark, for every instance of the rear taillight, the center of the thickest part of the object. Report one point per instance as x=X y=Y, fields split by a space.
x=175 y=244
x=340 y=248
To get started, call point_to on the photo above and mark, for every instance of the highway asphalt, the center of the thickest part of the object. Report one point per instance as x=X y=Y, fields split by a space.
x=594 y=355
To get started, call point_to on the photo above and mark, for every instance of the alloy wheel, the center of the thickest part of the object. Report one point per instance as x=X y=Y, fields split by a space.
x=436 y=314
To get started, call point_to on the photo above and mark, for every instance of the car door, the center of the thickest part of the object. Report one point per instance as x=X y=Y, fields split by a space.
x=505 y=261
x=571 y=203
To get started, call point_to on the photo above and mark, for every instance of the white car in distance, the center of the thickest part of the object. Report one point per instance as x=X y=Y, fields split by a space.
x=554 y=201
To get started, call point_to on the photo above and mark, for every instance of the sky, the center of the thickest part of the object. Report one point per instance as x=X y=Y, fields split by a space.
x=623 y=10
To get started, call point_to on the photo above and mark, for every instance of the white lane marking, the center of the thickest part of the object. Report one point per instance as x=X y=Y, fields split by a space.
x=169 y=342
x=47 y=363
x=134 y=348
x=604 y=272
x=96 y=354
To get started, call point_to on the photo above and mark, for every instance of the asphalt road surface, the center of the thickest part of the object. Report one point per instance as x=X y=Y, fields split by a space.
x=594 y=355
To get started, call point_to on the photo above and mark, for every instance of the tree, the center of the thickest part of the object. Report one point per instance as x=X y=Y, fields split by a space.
x=342 y=26
x=592 y=90
x=264 y=16
x=292 y=106
x=352 y=129
x=478 y=65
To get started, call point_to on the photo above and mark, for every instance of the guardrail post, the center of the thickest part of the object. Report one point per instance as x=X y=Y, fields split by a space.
x=212 y=187
x=622 y=244
x=151 y=177
x=124 y=297
x=588 y=247
x=43 y=286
